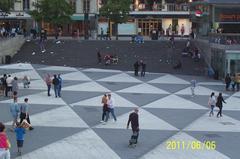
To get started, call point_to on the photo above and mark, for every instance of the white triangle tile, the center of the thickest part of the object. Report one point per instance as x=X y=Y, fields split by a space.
x=40 y=98
x=237 y=94
x=84 y=145
x=146 y=121
x=96 y=101
x=161 y=151
x=143 y=88
x=123 y=77
x=199 y=90
x=169 y=79
x=232 y=103
x=206 y=123
x=59 y=117
x=101 y=70
x=88 y=87
x=75 y=76
x=174 y=102
x=31 y=73
x=58 y=68
x=22 y=66
x=35 y=84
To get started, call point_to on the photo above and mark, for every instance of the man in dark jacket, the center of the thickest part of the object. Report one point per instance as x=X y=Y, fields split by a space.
x=136 y=68
x=133 y=118
x=227 y=81
x=56 y=85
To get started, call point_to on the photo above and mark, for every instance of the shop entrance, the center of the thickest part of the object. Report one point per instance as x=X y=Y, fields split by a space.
x=147 y=25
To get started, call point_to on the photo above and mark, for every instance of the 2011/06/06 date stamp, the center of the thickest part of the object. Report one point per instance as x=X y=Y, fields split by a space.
x=190 y=145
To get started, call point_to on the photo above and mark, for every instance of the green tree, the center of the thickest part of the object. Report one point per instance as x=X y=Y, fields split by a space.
x=56 y=12
x=116 y=11
x=6 y=5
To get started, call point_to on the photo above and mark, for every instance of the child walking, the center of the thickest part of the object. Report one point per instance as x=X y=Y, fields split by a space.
x=20 y=131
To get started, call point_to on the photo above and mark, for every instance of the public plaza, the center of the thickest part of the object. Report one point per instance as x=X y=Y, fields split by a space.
x=69 y=127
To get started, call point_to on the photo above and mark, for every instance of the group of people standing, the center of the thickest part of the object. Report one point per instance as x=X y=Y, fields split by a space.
x=9 y=85
x=137 y=65
x=56 y=81
x=232 y=81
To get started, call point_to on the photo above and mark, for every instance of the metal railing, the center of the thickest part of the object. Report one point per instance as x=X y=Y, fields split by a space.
x=159 y=7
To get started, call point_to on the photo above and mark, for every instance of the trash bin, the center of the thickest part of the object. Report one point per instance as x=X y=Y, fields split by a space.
x=7 y=59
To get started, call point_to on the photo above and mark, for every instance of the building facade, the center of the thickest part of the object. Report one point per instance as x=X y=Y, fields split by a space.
x=148 y=15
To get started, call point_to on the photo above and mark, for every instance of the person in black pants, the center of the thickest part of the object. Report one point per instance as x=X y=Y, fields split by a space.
x=24 y=112
x=136 y=68
x=219 y=104
x=133 y=118
x=143 y=71
x=227 y=81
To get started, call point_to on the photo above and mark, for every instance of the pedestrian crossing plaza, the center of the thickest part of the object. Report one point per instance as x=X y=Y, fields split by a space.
x=173 y=124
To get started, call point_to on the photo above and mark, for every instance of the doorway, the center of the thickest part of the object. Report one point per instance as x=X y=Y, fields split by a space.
x=147 y=25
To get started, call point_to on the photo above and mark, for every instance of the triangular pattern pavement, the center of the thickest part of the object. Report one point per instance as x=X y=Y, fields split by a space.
x=69 y=127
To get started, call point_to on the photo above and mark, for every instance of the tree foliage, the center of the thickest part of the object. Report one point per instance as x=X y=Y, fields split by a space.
x=116 y=10
x=6 y=5
x=56 y=12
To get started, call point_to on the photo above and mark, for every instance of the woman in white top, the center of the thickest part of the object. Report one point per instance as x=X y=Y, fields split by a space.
x=212 y=103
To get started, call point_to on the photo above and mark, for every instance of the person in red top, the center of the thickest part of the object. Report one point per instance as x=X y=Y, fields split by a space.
x=4 y=143
x=48 y=81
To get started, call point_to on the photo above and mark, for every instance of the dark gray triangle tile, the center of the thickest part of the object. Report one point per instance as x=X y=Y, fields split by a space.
x=219 y=88
x=40 y=137
x=10 y=71
x=198 y=99
x=99 y=75
x=93 y=115
x=179 y=118
x=148 y=76
x=34 y=109
x=233 y=114
x=25 y=92
x=172 y=88
x=115 y=86
x=43 y=73
x=74 y=96
x=118 y=140
x=141 y=99
x=67 y=83
x=227 y=143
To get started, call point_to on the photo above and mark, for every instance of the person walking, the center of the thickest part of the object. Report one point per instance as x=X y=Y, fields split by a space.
x=105 y=107
x=101 y=35
x=4 y=83
x=227 y=81
x=26 y=81
x=55 y=82
x=133 y=119
x=136 y=68
x=24 y=113
x=60 y=85
x=143 y=70
x=20 y=131
x=4 y=143
x=9 y=81
x=212 y=103
x=110 y=104
x=219 y=104
x=99 y=57
x=48 y=81
x=14 y=109
x=15 y=85
x=193 y=86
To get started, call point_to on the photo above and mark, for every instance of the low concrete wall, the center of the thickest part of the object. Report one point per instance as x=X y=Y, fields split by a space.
x=10 y=47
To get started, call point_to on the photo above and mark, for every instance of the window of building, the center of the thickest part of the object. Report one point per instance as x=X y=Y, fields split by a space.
x=73 y=4
x=26 y=4
x=86 y=5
